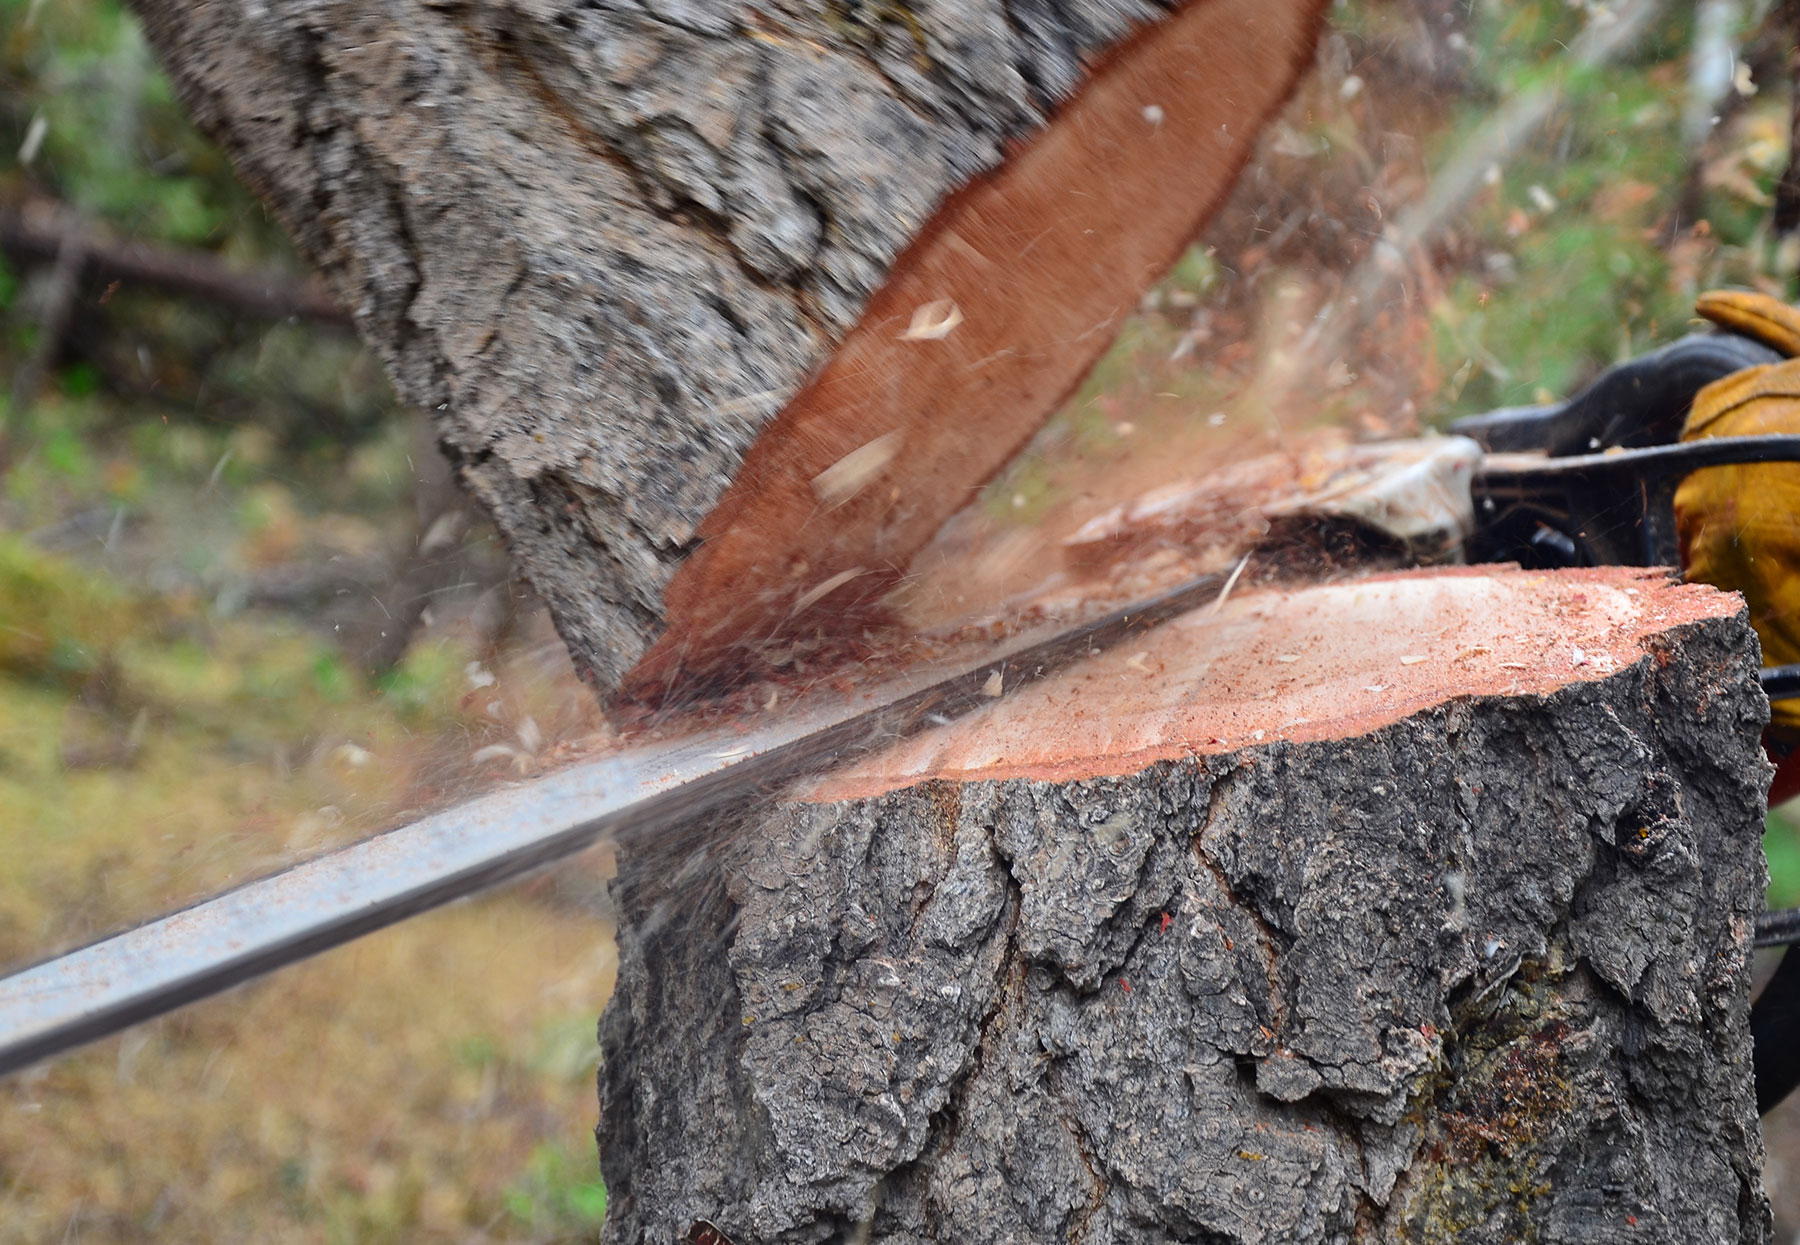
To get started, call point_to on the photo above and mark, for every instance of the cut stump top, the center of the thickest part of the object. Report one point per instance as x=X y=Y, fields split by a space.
x=1298 y=664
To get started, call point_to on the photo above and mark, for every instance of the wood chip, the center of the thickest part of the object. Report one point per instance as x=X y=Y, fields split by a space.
x=1413 y=659
x=1230 y=583
x=852 y=473
x=933 y=321
x=819 y=591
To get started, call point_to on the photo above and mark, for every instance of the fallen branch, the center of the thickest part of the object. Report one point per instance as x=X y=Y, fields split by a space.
x=43 y=231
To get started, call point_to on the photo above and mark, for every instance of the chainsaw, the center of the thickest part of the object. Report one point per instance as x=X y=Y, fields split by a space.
x=1589 y=481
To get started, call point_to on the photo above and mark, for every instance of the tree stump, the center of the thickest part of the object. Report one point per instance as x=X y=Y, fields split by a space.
x=722 y=309
x=1413 y=907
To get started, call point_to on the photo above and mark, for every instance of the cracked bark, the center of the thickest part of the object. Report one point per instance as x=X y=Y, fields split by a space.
x=1461 y=963
x=608 y=244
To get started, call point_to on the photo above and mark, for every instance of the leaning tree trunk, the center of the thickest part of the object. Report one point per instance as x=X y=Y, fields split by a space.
x=1409 y=908
x=721 y=308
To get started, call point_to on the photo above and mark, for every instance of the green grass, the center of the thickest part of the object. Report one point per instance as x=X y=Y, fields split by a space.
x=1781 y=846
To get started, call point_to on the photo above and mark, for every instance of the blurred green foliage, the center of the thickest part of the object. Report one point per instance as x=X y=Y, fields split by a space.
x=115 y=142
x=60 y=624
x=1781 y=845
x=1574 y=269
x=82 y=97
x=559 y=1195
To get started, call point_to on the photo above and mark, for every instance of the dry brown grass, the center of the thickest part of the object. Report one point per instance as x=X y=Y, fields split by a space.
x=395 y=1089
x=432 y=1082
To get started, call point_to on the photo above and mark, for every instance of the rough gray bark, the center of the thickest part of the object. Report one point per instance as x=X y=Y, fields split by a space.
x=607 y=242
x=1480 y=974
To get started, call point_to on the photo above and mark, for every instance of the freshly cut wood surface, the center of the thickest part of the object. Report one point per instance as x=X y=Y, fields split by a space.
x=1305 y=663
x=827 y=265
x=1254 y=954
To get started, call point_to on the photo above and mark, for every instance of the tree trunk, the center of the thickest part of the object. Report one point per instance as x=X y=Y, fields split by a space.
x=724 y=309
x=1414 y=907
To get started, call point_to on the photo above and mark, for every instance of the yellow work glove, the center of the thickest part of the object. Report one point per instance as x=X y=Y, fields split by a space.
x=1740 y=526
x=1756 y=316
